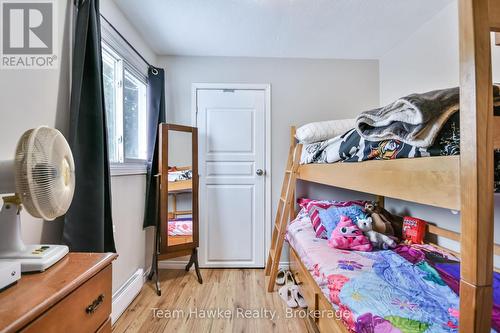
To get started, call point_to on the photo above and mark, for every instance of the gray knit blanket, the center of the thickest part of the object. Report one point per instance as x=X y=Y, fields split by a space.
x=414 y=119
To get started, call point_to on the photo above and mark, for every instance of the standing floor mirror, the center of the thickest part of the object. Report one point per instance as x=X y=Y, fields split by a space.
x=177 y=230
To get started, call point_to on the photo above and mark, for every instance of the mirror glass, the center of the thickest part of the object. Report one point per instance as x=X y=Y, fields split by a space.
x=180 y=188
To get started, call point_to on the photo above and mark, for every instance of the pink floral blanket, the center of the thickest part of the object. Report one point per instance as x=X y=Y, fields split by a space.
x=382 y=291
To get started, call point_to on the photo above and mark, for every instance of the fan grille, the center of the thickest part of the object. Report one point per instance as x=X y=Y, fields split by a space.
x=45 y=172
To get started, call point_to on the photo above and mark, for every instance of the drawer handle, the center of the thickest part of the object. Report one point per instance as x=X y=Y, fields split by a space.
x=95 y=304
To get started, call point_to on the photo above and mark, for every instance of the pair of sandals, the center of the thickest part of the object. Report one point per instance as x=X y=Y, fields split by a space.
x=289 y=291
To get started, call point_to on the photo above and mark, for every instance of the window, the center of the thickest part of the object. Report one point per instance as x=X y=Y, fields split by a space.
x=125 y=103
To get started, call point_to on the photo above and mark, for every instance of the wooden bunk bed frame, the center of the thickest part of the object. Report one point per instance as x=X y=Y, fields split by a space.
x=463 y=183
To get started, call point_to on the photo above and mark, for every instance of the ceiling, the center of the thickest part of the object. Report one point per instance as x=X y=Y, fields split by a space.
x=351 y=29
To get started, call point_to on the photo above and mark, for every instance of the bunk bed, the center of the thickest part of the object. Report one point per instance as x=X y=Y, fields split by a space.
x=463 y=183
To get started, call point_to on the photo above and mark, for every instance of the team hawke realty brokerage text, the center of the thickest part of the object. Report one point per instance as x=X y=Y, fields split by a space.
x=28 y=34
x=241 y=313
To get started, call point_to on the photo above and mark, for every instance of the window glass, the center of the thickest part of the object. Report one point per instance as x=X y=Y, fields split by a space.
x=125 y=103
x=134 y=117
x=110 y=82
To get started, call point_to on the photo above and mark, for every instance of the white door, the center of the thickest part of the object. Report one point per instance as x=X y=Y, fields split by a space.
x=231 y=128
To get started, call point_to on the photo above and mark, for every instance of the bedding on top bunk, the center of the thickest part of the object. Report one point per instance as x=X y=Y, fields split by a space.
x=351 y=147
x=323 y=130
x=418 y=125
x=409 y=289
x=415 y=119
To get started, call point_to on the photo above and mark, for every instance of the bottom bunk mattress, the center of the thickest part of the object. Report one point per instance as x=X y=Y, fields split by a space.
x=409 y=289
x=180 y=227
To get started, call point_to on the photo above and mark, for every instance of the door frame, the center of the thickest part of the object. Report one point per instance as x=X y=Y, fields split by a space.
x=266 y=87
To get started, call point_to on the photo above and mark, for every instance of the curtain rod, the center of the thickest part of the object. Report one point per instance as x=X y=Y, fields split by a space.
x=126 y=41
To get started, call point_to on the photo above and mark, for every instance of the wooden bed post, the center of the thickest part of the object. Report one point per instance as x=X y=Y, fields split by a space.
x=293 y=143
x=380 y=200
x=476 y=167
x=284 y=212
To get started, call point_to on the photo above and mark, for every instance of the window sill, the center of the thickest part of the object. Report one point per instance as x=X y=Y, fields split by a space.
x=127 y=169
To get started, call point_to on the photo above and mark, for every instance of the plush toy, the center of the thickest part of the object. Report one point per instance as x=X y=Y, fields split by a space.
x=377 y=239
x=382 y=219
x=347 y=236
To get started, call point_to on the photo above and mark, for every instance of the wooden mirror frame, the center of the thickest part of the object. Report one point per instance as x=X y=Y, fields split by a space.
x=166 y=251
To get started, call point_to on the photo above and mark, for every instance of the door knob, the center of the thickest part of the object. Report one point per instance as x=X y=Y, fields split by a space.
x=259 y=172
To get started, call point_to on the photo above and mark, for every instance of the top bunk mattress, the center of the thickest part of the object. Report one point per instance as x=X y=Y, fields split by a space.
x=408 y=289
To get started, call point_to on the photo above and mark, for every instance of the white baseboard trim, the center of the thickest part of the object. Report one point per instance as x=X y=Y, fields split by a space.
x=170 y=264
x=124 y=296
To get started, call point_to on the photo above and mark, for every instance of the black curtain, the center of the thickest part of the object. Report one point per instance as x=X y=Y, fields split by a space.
x=88 y=223
x=156 y=115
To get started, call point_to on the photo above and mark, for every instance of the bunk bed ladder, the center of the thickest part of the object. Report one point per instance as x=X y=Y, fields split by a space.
x=284 y=212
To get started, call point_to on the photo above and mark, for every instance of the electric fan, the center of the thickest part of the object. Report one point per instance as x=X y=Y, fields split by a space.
x=43 y=180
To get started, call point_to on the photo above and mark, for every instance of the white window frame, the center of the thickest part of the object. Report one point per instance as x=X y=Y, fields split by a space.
x=130 y=62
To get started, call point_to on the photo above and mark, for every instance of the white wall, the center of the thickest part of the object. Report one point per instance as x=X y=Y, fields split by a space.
x=427 y=60
x=30 y=98
x=133 y=244
x=113 y=13
x=302 y=91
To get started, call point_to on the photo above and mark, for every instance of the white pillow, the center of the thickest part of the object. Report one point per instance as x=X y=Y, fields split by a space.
x=323 y=130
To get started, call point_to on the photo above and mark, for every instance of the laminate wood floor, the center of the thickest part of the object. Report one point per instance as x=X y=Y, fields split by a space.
x=233 y=296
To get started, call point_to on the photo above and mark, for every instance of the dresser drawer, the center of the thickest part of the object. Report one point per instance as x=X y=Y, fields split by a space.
x=84 y=310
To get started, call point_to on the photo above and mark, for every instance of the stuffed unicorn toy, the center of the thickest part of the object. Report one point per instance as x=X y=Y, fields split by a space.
x=378 y=240
x=348 y=236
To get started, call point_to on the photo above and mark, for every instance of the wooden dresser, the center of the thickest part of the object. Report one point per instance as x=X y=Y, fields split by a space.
x=74 y=295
